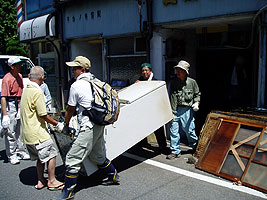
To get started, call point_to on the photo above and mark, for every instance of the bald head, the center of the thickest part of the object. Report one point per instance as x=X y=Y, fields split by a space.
x=36 y=73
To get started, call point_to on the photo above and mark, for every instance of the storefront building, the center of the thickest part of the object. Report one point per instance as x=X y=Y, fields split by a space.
x=41 y=29
x=118 y=36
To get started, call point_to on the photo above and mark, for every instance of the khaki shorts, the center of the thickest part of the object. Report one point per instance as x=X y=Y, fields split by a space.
x=43 y=151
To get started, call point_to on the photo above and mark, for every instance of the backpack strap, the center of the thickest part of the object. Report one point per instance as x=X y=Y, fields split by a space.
x=105 y=95
x=92 y=87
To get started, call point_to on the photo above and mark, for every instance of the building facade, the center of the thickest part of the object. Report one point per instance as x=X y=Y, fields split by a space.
x=119 y=35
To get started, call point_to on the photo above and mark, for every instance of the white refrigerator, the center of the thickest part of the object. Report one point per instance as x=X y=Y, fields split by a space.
x=145 y=107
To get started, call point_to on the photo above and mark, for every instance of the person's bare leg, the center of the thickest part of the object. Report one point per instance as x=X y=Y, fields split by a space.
x=40 y=173
x=52 y=181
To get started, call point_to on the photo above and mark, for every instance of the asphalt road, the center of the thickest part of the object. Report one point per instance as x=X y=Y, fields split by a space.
x=146 y=176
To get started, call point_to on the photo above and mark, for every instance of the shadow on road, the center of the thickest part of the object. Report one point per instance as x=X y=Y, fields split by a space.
x=3 y=156
x=121 y=163
x=28 y=176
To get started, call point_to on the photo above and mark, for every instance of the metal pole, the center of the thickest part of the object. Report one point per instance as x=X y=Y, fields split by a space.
x=61 y=96
x=263 y=73
x=105 y=74
x=262 y=62
x=25 y=10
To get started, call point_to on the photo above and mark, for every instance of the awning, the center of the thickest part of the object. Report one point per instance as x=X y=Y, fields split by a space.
x=37 y=28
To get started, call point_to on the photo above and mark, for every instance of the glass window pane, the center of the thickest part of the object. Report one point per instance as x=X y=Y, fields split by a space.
x=256 y=175
x=118 y=68
x=49 y=65
x=245 y=150
x=261 y=152
x=247 y=131
x=3 y=67
x=263 y=141
x=25 y=70
x=121 y=46
x=260 y=156
x=232 y=167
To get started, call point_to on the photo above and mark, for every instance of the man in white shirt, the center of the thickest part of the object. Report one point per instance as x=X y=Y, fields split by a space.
x=89 y=141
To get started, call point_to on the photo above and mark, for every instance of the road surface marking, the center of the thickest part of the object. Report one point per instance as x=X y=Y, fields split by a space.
x=197 y=176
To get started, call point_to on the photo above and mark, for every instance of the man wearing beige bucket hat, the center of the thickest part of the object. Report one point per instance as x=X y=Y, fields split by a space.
x=185 y=98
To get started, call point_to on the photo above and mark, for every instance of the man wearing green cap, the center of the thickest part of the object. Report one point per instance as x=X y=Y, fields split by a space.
x=147 y=75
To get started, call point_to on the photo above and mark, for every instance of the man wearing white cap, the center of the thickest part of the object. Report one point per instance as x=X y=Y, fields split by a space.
x=12 y=85
x=185 y=98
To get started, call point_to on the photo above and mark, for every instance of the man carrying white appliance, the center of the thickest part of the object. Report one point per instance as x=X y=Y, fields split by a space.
x=89 y=140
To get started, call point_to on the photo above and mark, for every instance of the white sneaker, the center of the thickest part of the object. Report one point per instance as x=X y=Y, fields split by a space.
x=14 y=161
x=23 y=156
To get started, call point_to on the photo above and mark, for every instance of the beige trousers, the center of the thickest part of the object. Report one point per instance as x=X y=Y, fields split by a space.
x=89 y=143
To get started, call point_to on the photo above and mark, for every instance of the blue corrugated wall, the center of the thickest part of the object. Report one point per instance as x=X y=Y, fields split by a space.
x=122 y=17
x=195 y=9
x=116 y=17
x=37 y=8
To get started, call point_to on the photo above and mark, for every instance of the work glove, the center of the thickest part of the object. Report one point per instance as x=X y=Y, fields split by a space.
x=51 y=127
x=195 y=106
x=59 y=127
x=68 y=131
x=5 y=121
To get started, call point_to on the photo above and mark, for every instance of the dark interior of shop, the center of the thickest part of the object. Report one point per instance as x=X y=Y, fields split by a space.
x=216 y=59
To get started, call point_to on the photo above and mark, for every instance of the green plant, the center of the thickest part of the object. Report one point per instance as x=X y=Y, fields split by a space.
x=9 y=40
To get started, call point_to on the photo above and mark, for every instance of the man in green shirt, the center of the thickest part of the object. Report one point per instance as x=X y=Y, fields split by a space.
x=185 y=98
